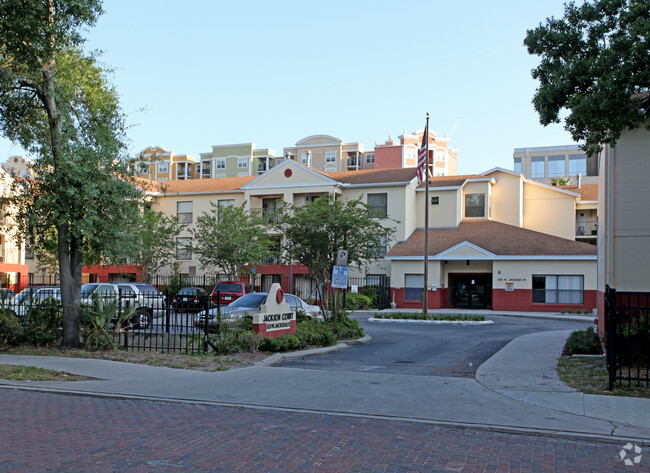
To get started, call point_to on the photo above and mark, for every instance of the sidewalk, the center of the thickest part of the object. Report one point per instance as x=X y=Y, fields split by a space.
x=515 y=390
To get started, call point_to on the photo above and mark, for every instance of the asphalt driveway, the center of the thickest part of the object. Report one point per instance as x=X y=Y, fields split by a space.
x=430 y=349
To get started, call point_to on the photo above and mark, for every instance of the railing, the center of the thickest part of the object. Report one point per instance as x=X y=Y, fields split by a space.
x=627 y=325
x=588 y=228
x=354 y=162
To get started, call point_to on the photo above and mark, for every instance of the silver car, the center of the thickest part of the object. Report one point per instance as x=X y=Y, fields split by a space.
x=30 y=297
x=250 y=304
x=144 y=296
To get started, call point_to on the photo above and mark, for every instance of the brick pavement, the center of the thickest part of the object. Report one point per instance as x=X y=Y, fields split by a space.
x=44 y=432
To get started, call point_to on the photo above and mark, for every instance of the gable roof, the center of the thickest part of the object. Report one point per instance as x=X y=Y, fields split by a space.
x=373 y=176
x=497 y=238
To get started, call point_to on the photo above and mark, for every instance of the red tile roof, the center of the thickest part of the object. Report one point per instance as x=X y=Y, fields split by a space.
x=219 y=184
x=495 y=237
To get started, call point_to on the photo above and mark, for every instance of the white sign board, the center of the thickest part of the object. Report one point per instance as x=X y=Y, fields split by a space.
x=340 y=277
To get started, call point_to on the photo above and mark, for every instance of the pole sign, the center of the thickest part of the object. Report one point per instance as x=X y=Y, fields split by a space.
x=340 y=277
x=342 y=257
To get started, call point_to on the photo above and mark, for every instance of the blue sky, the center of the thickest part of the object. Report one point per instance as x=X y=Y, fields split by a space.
x=215 y=72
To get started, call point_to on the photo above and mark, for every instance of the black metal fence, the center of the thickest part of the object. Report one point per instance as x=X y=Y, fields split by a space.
x=627 y=326
x=147 y=318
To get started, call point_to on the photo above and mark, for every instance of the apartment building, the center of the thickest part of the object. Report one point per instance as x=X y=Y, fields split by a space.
x=403 y=153
x=328 y=154
x=624 y=217
x=158 y=164
x=547 y=162
x=496 y=239
x=13 y=267
x=236 y=160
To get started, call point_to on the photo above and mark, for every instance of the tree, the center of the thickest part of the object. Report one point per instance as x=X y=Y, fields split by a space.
x=317 y=231
x=229 y=237
x=155 y=240
x=55 y=101
x=595 y=64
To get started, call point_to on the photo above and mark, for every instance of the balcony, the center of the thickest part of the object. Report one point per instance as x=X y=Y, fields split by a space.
x=354 y=162
x=587 y=229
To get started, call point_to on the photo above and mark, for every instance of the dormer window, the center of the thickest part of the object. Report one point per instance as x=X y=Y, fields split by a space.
x=474 y=205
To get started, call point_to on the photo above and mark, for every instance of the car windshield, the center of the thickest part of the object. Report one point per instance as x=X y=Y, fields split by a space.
x=249 y=300
x=228 y=287
x=189 y=291
x=87 y=289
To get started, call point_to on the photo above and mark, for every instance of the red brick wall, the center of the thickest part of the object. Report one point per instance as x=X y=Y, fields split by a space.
x=437 y=300
x=522 y=300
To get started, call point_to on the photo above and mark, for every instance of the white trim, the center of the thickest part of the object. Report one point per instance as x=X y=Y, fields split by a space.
x=497 y=169
x=466 y=244
x=498 y=258
x=338 y=141
x=290 y=162
x=550 y=187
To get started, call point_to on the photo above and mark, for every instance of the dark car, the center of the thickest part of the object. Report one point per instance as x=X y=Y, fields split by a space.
x=228 y=291
x=191 y=299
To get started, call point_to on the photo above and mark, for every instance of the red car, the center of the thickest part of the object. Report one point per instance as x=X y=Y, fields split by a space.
x=228 y=291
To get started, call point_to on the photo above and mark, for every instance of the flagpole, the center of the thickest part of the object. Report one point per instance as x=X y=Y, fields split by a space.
x=425 y=297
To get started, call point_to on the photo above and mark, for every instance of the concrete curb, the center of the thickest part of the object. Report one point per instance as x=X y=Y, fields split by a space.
x=282 y=357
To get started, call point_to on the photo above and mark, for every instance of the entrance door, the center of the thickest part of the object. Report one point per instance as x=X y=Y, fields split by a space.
x=471 y=291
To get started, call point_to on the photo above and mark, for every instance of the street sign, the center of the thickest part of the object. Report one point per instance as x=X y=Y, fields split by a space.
x=340 y=277
x=342 y=257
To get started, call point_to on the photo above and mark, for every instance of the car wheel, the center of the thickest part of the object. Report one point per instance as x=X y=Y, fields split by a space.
x=143 y=318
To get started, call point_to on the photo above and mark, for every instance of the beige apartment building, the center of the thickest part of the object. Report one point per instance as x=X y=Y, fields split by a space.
x=237 y=160
x=328 y=154
x=624 y=217
x=496 y=239
x=158 y=164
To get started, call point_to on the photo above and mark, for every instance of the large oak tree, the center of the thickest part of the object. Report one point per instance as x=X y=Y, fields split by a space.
x=56 y=102
x=595 y=65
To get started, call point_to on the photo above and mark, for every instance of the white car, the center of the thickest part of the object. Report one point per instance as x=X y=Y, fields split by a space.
x=250 y=304
x=142 y=295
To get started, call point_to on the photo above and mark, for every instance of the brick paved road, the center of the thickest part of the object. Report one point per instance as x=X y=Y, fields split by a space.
x=50 y=432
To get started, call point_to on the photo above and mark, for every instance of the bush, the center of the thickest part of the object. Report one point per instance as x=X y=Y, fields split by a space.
x=372 y=292
x=348 y=329
x=583 y=342
x=43 y=322
x=357 y=301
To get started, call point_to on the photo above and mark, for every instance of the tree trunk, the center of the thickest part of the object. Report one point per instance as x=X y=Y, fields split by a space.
x=70 y=271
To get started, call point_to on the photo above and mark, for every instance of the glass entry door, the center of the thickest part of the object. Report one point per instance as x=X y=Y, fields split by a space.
x=471 y=291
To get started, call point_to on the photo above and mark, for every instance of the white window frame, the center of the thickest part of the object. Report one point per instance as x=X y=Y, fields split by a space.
x=242 y=162
x=220 y=163
x=184 y=248
x=330 y=156
x=184 y=211
x=163 y=168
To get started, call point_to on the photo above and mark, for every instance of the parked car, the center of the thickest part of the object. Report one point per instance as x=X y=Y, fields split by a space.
x=6 y=294
x=250 y=304
x=228 y=291
x=142 y=295
x=191 y=299
x=30 y=297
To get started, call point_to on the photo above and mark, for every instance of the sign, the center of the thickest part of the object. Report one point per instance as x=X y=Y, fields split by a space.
x=275 y=316
x=510 y=287
x=340 y=277
x=342 y=258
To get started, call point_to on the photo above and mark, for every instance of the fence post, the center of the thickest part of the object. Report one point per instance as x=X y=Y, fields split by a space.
x=610 y=331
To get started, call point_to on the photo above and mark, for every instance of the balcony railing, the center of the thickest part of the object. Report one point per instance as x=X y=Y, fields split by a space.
x=354 y=162
x=587 y=228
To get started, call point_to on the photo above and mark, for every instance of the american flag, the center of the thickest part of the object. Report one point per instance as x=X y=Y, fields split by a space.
x=421 y=169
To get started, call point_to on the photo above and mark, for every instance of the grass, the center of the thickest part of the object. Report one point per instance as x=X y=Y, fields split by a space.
x=208 y=362
x=31 y=373
x=589 y=375
x=420 y=316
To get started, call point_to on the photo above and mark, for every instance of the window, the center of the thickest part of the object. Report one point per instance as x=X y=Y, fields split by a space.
x=184 y=212
x=205 y=168
x=537 y=167
x=242 y=174
x=143 y=169
x=378 y=204
x=184 y=248
x=474 y=205
x=435 y=200
x=242 y=162
x=413 y=287
x=440 y=156
x=558 y=289
x=220 y=163
x=219 y=175
x=162 y=167
x=370 y=158
x=303 y=158
x=556 y=166
x=517 y=166
x=226 y=203
x=29 y=250
x=382 y=248
x=330 y=157
x=577 y=164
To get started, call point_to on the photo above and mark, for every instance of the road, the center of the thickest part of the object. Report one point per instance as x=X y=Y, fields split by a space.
x=429 y=349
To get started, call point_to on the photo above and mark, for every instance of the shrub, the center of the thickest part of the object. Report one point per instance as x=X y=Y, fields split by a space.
x=583 y=342
x=348 y=329
x=42 y=324
x=372 y=292
x=357 y=301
